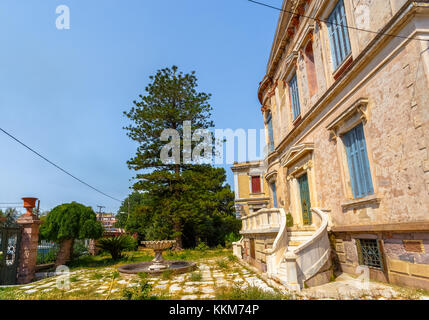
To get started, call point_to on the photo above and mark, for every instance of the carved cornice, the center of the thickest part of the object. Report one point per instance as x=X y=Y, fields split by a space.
x=360 y=107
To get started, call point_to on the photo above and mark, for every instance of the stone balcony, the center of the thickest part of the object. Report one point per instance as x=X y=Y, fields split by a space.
x=262 y=221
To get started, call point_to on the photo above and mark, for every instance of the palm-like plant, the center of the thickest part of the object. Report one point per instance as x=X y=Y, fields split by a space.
x=116 y=245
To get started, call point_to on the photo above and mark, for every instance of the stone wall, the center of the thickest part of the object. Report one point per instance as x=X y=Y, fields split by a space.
x=405 y=256
x=262 y=242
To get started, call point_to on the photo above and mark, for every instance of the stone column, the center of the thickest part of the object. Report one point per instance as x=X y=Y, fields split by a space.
x=28 y=250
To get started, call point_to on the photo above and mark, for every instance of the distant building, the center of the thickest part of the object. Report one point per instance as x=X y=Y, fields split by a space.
x=251 y=190
x=108 y=220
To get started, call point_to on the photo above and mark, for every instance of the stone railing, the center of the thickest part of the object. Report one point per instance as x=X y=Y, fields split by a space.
x=276 y=253
x=305 y=261
x=262 y=221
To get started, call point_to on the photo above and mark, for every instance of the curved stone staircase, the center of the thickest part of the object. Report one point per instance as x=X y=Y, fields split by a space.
x=306 y=251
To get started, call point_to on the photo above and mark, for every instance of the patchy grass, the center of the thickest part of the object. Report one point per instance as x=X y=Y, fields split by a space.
x=196 y=276
x=96 y=276
x=232 y=258
x=222 y=263
x=167 y=274
x=249 y=293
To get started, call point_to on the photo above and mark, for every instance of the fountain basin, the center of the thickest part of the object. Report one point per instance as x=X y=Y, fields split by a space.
x=175 y=266
x=158 y=265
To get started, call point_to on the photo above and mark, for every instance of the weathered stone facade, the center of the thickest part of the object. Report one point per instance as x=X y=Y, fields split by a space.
x=383 y=86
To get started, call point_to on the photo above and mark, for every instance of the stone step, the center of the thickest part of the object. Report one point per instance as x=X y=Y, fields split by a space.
x=301 y=228
x=291 y=248
x=294 y=243
x=300 y=233
x=299 y=238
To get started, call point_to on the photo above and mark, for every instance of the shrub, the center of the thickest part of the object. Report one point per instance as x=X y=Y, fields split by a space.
x=48 y=257
x=230 y=238
x=232 y=258
x=289 y=220
x=202 y=246
x=222 y=263
x=141 y=292
x=116 y=245
x=79 y=249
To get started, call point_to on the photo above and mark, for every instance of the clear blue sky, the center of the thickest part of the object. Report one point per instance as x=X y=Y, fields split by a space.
x=63 y=92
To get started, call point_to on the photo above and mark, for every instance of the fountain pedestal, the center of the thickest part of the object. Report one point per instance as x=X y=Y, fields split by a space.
x=158 y=247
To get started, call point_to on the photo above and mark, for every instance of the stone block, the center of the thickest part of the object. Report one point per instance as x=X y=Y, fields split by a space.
x=420 y=270
x=398 y=266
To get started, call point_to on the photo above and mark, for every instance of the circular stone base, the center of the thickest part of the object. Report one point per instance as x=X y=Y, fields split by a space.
x=175 y=266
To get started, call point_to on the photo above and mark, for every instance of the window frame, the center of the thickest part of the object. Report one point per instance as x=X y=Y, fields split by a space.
x=294 y=96
x=274 y=194
x=358 y=164
x=339 y=35
x=252 y=179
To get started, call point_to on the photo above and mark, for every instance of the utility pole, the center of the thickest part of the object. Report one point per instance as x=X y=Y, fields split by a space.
x=100 y=208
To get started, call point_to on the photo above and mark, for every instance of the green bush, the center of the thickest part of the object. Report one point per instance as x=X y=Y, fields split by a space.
x=116 y=245
x=202 y=246
x=230 y=238
x=79 y=249
x=141 y=292
x=222 y=263
x=289 y=220
x=48 y=257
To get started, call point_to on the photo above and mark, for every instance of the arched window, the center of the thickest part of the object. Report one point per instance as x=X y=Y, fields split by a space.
x=311 y=69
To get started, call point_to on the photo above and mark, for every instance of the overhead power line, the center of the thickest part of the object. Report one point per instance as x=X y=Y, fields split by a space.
x=334 y=23
x=58 y=167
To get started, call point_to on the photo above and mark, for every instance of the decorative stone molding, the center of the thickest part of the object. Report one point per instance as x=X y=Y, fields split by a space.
x=295 y=153
x=360 y=106
x=373 y=199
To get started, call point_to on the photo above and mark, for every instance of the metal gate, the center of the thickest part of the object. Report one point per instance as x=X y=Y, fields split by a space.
x=10 y=240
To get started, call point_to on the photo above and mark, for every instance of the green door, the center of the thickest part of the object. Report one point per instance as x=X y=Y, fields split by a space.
x=9 y=254
x=305 y=200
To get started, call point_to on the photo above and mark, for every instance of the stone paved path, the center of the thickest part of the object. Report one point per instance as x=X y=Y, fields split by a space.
x=201 y=284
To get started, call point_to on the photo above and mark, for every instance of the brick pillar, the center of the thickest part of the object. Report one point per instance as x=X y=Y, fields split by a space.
x=29 y=240
x=92 y=247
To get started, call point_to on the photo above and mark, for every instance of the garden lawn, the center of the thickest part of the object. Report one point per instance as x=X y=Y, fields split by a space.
x=96 y=278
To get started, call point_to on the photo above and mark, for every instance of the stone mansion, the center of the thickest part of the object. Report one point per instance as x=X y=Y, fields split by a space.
x=346 y=180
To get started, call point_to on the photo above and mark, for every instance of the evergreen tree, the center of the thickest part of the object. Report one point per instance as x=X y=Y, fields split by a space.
x=171 y=98
x=127 y=207
x=199 y=198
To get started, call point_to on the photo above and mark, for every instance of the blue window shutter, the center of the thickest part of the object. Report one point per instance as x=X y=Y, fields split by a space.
x=270 y=132
x=273 y=189
x=358 y=163
x=294 y=93
x=339 y=34
x=364 y=160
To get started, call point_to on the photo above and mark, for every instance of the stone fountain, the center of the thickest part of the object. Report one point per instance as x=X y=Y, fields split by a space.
x=158 y=246
x=158 y=264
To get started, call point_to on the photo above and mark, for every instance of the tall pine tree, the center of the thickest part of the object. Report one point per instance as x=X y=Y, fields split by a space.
x=171 y=98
